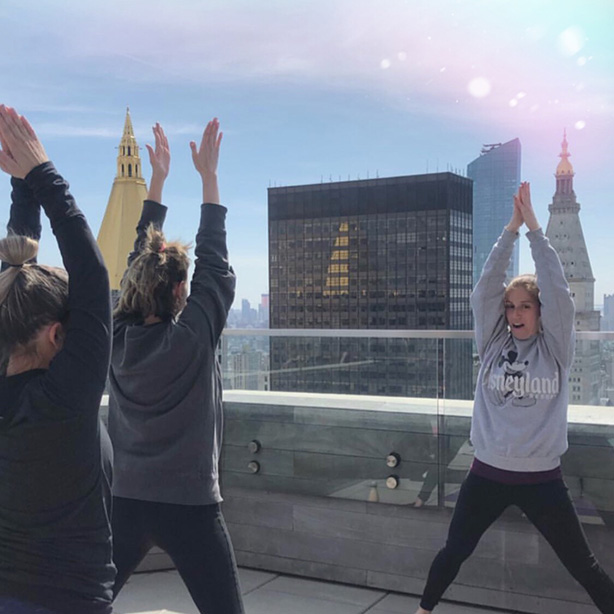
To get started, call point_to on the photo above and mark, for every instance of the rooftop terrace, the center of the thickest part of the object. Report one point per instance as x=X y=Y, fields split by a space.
x=320 y=487
x=163 y=592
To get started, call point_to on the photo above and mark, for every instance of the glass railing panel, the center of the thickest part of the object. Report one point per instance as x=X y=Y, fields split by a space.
x=454 y=452
x=588 y=465
x=328 y=409
x=345 y=416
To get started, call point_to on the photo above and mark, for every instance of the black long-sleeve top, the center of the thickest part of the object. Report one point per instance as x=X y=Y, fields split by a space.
x=55 y=456
x=165 y=406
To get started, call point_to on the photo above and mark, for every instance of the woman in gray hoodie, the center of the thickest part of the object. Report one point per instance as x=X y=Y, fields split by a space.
x=165 y=408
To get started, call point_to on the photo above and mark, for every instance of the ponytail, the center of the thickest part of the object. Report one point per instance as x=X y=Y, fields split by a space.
x=31 y=295
x=147 y=288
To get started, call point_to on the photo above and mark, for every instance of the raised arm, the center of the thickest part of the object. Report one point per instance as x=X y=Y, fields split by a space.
x=205 y=160
x=153 y=211
x=487 y=296
x=24 y=218
x=556 y=305
x=25 y=215
x=85 y=353
x=21 y=150
x=160 y=160
x=213 y=283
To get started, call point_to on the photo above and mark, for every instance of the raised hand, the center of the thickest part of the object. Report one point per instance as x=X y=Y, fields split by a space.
x=160 y=160
x=160 y=157
x=206 y=156
x=205 y=160
x=21 y=149
x=516 y=220
x=525 y=206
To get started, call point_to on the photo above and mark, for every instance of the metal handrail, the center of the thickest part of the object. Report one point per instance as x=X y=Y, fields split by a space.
x=373 y=333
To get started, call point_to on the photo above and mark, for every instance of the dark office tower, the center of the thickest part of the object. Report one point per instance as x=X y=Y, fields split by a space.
x=496 y=176
x=389 y=253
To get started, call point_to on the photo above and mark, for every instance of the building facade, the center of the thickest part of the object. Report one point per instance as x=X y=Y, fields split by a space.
x=565 y=233
x=496 y=176
x=391 y=253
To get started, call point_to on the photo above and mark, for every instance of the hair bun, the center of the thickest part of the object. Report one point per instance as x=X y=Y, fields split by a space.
x=16 y=250
x=155 y=241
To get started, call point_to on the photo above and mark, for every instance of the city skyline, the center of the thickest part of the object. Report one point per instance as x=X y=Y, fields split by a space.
x=313 y=91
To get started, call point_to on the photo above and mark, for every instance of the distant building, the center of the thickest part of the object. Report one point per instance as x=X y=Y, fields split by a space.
x=245 y=362
x=246 y=312
x=118 y=229
x=390 y=253
x=607 y=321
x=249 y=370
x=496 y=176
x=263 y=311
x=565 y=233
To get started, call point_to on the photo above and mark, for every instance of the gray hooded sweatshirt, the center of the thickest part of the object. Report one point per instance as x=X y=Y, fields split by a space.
x=520 y=409
x=165 y=406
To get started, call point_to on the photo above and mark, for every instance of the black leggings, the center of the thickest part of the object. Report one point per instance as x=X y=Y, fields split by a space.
x=9 y=605
x=548 y=506
x=196 y=539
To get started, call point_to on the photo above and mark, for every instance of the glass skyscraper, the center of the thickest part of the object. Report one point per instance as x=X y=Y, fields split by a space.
x=496 y=176
x=390 y=253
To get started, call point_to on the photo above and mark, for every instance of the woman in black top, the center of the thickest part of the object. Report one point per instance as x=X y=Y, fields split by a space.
x=55 y=457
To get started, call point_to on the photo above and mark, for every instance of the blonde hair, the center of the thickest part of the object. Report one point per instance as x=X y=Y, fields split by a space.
x=148 y=284
x=527 y=282
x=31 y=295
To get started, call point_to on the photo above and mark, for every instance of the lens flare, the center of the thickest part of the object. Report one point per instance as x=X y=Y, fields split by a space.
x=479 y=87
x=570 y=41
x=580 y=125
x=385 y=63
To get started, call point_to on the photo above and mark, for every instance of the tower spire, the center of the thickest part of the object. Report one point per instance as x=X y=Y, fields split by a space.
x=564 y=168
x=128 y=159
x=117 y=231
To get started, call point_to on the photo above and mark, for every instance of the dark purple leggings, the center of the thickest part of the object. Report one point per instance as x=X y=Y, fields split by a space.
x=548 y=506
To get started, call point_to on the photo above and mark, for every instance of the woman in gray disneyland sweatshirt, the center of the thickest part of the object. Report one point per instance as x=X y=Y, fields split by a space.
x=525 y=338
x=165 y=409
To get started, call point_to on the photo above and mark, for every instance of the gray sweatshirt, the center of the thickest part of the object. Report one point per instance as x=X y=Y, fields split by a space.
x=520 y=409
x=165 y=406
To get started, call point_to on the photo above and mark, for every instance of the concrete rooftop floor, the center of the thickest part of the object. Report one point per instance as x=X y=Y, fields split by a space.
x=162 y=592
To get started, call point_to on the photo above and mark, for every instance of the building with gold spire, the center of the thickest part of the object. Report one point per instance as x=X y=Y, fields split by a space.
x=118 y=228
x=565 y=233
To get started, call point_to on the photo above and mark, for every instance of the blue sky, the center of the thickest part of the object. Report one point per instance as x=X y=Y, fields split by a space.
x=310 y=91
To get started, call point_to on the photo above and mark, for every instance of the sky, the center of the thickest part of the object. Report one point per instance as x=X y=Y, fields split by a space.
x=309 y=91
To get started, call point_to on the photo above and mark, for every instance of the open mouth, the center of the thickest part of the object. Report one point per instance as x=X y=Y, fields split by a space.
x=517 y=326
